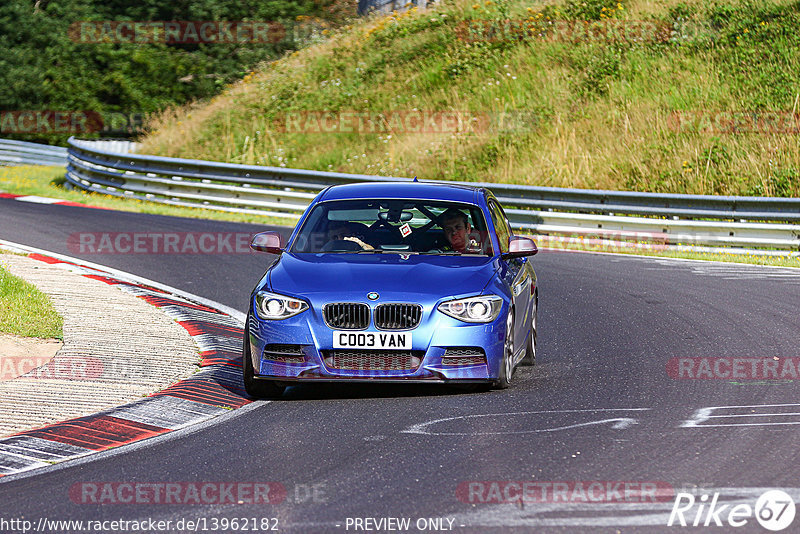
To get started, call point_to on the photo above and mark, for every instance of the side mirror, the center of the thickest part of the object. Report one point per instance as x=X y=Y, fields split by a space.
x=267 y=242
x=521 y=246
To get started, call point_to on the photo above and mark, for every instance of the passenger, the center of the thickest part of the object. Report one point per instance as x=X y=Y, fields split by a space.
x=457 y=232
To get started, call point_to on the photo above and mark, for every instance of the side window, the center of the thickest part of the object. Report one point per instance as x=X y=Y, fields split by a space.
x=500 y=225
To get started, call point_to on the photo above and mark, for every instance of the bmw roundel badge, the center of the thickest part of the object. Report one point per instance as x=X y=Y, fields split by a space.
x=372 y=295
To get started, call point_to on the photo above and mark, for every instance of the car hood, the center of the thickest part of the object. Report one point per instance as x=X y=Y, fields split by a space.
x=392 y=276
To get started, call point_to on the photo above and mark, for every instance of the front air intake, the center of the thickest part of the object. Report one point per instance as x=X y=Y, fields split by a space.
x=365 y=360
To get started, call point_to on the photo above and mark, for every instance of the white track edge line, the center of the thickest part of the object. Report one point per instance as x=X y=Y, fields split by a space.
x=128 y=277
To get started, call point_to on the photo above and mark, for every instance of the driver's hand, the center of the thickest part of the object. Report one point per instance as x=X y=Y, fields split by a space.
x=359 y=242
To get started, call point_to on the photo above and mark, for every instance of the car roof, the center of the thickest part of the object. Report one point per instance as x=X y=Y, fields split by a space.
x=411 y=190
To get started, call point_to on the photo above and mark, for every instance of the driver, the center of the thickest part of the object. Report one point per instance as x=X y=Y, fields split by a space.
x=348 y=231
x=457 y=231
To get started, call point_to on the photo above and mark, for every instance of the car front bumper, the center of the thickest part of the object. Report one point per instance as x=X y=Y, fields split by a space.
x=431 y=340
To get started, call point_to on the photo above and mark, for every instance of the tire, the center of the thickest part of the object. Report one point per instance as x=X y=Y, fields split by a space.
x=507 y=363
x=530 y=350
x=257 y=389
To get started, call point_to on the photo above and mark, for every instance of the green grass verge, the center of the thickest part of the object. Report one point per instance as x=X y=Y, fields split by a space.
x=26 y=311
x=749 y=259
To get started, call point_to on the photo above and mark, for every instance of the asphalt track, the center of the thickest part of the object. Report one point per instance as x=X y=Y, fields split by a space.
x=599 y=405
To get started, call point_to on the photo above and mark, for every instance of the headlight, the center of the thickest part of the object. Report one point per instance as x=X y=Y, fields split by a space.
x=474 y=309
x=271 y=306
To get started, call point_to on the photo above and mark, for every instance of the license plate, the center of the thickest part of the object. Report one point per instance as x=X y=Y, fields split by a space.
x=371 y=340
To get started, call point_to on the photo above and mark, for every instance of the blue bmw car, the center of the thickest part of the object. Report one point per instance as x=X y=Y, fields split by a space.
x=393 y=282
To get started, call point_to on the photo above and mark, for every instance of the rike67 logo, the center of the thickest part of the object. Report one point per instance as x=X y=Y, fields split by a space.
x=774 y=510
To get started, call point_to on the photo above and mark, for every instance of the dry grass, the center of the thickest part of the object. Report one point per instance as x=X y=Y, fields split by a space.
x=605 y=113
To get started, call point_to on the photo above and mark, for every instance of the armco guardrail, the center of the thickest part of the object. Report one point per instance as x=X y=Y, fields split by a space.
x=23 y=153
x=666 y=218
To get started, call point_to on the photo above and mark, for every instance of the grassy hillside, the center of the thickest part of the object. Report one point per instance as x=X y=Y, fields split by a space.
x=595 y=113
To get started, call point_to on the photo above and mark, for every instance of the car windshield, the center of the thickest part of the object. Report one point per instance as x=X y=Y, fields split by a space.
x=370 y=226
